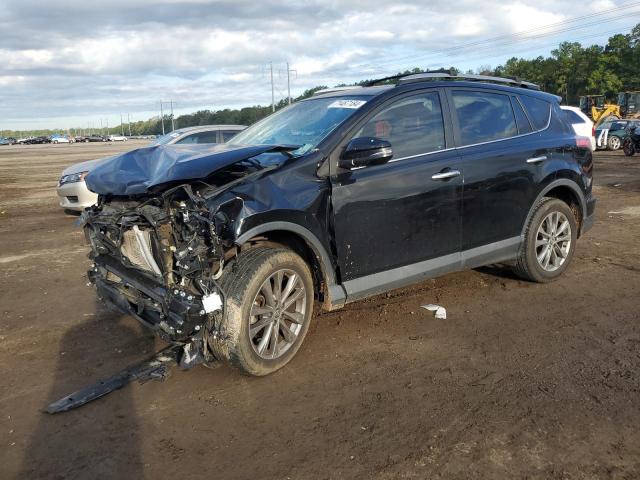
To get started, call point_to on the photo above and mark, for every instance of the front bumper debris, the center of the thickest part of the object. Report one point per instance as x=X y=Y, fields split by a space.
x=154 y=368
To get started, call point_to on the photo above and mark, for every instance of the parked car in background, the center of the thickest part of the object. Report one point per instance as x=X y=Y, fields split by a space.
x=581 y=124
x=57 y=138
x=117 y=138
x=200 y=134
x=38 y=140
x=96 y=138
x=5 y=141
x=610 y=134
x=225 y=250
x=73 y=192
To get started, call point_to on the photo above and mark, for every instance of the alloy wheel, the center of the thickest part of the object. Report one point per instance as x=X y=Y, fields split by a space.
x=614 y=143
x=553 y=241
x=277 y=314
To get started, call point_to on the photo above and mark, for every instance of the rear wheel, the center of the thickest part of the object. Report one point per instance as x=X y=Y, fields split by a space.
x=613 y=142
x=268 y=310
x=549 y=243
x=628 y=147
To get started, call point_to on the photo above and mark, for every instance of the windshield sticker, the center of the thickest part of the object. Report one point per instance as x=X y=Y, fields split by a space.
x=347 y=104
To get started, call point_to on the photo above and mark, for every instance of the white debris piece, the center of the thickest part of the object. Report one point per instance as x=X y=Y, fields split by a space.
x=211 y=302
x=441 y=312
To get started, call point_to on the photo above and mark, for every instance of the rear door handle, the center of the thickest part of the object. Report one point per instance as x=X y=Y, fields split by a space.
x=445 y=175
x=534 y=160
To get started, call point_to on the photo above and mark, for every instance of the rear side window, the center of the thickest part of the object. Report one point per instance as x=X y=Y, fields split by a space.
x=201 y=137
x=539 y=111
x=228 y=135
x=483 y=117
x=573 y=117
x=521 y=118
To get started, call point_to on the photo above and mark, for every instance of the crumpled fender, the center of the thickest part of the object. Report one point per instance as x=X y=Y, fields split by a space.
x=138 y=171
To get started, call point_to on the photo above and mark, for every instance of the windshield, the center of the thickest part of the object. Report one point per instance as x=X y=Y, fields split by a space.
x=164 y=139
x=304 y=124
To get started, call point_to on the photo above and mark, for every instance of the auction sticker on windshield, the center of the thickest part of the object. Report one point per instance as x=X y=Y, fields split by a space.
x=347 y=103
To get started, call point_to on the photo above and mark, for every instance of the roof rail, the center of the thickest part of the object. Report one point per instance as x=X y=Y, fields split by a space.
x=419 y=77
x=335 y=89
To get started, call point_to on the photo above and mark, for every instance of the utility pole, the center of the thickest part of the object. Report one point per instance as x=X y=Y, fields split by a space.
x=273 y=94
x=162 y=117
x=173 y=127
x=289 y=83
x=129 y=123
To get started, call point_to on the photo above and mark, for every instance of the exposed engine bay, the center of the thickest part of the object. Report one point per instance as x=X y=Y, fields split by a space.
x=159 y=260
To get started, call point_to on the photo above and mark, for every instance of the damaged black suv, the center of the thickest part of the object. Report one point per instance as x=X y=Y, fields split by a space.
x=225 y=249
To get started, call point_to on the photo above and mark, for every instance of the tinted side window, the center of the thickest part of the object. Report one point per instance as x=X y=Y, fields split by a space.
x=539 y=111
x=228 y=135
x=483 y=117
x=521 y=118
x=200 y=137
x=412 y=125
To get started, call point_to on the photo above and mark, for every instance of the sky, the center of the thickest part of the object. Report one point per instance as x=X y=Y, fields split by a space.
x=80 y=63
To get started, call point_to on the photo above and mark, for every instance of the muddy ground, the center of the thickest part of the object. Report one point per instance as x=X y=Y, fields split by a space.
x=521 y=381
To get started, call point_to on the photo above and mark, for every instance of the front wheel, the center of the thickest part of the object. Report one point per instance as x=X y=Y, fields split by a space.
x=628 y=147
x=549 y=243
x=268 y=310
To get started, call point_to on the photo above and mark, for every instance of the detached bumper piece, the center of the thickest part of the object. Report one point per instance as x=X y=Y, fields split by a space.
x=154 y=368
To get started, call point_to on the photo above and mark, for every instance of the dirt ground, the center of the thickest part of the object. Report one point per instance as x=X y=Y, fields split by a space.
x=521 y=380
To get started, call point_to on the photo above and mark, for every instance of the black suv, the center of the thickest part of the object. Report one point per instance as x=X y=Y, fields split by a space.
x=224 y=249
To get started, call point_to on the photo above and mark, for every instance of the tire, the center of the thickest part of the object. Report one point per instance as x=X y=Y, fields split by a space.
x=613 y=142
x=242 y=283
x=628 y=147
x=549 y=211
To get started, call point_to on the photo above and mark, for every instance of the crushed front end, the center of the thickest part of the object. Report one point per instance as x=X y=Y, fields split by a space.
x=158 y=259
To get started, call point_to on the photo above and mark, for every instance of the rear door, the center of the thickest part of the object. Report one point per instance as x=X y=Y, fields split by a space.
x=504 y=159
x=407 y=210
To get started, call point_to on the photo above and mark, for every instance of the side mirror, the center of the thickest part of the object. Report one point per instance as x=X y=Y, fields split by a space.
x=364 y=151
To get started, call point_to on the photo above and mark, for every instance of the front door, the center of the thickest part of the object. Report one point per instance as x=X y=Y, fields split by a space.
x=403 y=212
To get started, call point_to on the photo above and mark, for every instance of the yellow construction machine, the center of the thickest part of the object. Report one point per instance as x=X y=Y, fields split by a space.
x=596 y=108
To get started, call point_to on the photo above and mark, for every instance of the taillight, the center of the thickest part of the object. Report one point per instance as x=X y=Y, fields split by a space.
x=593 y=130
x=583 y=142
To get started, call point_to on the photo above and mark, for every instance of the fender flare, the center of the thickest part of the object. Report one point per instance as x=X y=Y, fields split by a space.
x=560 y=182
x=337 y=295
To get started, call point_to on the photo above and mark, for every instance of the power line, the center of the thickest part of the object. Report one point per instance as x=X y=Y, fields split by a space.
x=519 y=36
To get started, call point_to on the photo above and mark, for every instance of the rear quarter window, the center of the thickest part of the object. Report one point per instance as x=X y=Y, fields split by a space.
x=538 y=110
x=573 y=117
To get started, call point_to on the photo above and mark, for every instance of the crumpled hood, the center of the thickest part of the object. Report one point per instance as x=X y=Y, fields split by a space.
x=138 y=171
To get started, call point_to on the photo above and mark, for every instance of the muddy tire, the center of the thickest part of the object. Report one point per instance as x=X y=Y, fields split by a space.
x=549 y=243
x=269 y=305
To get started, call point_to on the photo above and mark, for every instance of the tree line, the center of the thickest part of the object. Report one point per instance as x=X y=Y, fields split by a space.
x=570 y=71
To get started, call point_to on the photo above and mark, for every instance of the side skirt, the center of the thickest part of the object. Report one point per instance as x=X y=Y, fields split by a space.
x=409 y=274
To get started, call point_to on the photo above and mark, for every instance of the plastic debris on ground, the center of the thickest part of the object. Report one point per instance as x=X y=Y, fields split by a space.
x=440 y=312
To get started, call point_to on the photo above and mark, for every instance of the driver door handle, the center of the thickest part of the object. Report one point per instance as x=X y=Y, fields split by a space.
x=445 y=175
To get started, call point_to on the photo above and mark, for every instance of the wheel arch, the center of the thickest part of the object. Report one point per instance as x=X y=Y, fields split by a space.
x=307 y=244
x=569 y=192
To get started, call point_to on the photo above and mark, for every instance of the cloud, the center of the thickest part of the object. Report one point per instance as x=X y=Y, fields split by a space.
x=77 y=59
